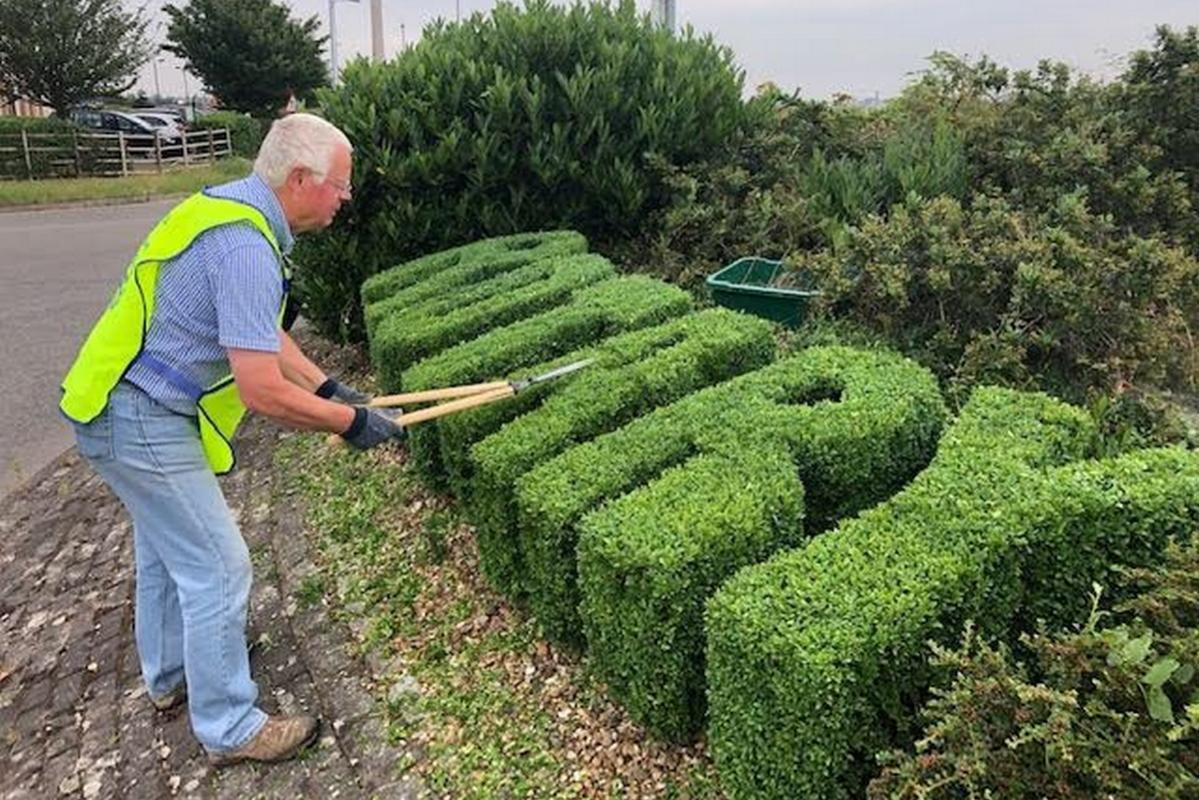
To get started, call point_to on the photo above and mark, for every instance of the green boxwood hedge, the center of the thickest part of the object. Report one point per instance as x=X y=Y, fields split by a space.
x=633 y=374
x=817 y=659
x=648 y=560
x=849 y=454
x=397 y=346
x=403 y=312
x=592 y=313
x=471 y=262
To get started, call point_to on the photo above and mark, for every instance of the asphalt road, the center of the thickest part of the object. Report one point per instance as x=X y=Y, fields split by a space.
x=57 y=270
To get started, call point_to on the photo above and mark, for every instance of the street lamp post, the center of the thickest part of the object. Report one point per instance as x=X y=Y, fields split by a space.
x=663 y=13
x=377 y=30
x=333 y=66
x=157 y=90
x=186 y=94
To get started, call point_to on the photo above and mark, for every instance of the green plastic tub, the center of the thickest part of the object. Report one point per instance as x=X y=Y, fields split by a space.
x=745 y=285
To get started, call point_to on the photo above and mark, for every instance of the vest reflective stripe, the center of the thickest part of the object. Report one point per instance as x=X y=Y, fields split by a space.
x=119 y=335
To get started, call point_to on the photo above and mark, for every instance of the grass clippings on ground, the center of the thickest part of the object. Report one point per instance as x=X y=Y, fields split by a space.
x=484 y=707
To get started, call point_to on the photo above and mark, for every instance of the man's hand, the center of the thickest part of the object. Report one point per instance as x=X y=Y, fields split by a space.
x=373 y=426
x=342 y=392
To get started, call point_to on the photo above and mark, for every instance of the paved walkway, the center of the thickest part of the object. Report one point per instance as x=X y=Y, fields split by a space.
x=58 y=269
x=74 y=718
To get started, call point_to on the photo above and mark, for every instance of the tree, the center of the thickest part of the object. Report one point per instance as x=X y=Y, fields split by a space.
x=250 y=53
x=59 y=52
x=1162 y=97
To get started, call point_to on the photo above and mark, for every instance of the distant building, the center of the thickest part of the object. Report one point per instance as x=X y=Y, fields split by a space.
x=21 y=107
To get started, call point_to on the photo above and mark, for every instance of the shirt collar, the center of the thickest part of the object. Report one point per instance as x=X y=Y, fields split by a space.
x=253 y=191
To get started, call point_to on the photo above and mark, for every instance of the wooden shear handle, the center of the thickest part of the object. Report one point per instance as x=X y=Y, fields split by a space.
x=426 y=414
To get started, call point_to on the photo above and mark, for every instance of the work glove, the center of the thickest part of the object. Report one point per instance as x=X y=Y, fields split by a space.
x=373 y=426
x=343 y=393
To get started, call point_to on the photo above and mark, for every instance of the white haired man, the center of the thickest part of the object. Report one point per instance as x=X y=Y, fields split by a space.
x=193 y=338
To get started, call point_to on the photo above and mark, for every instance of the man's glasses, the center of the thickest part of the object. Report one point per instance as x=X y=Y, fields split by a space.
x=342 y=186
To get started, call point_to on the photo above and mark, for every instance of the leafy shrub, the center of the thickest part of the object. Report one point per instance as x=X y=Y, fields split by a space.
x=991 y=294
x=592 y=313
x=849 y=455
x=397 y=345
x=35 y=125
x=529 y=118
x=816 y=658
x=1160 y=90
x=922 y=159
x=804 y=183
x=633 y=374
x=745 y=200
x=1034 y=136
x=245 y=132
x=799 y=175
x=1104 y=711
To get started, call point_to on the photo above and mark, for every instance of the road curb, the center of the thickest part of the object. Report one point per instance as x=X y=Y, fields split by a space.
x=106 y=201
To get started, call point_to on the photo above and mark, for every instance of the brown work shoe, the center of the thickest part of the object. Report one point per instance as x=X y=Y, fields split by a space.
x=175 y=697
x=281 y=738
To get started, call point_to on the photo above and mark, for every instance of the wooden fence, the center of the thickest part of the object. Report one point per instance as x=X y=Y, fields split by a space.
x=78 y=154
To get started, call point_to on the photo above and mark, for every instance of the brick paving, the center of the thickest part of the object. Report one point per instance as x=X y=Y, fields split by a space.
x=75 y=721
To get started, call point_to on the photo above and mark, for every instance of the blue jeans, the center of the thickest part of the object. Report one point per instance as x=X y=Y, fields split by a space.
x=193 y=567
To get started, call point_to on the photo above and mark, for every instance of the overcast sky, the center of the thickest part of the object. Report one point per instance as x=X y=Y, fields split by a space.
x=861 y=47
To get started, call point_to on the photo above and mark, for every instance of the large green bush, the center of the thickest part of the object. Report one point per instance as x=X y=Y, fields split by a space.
x=817 y=658
x=524 y=119
x=792 y=182
x=812 y=181
x=1160 y=90
x=1032 y=136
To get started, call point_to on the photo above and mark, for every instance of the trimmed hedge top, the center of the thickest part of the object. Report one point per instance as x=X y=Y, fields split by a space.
x=397 y=346
x=633 y=374
x=883 y=429
x=522 y=247
x=447 y=291
x=593 y=313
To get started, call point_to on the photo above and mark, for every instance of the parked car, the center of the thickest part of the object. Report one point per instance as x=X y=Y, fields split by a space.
x=167 y=125
x=180 y=114
x=110 y=121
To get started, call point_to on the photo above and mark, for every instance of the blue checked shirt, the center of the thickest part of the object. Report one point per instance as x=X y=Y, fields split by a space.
x=223 y=291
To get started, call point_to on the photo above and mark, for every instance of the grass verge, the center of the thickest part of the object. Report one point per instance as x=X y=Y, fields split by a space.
x=481 y=706
x=134 y=187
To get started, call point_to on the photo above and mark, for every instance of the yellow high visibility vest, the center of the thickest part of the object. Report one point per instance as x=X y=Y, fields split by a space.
x=119 y=336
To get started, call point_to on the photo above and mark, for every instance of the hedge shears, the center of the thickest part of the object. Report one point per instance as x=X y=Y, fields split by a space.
x=463 y=397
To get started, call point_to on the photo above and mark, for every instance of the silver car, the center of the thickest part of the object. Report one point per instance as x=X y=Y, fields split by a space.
x=166 y=125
